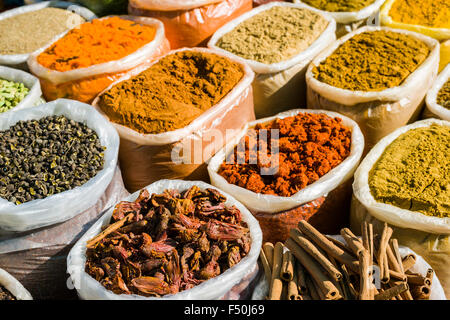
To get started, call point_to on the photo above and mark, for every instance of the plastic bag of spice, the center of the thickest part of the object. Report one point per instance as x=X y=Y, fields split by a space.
x=427 y=235
x=84 y=84
x=435 y=97
x=146 y=158
x=65 y=205
x=348 y=20
x=279 y=84
x=33 y=97
x=322 y=203
x=20 y=60
x=190 y=23
x=394 y=14
x=11 y=284
x=217 y=287
x=378 y=113
x=37 y=258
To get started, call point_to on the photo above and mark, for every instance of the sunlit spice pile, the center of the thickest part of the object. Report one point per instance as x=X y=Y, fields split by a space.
x=310 y=145
x=166 y=243
x=95 y=42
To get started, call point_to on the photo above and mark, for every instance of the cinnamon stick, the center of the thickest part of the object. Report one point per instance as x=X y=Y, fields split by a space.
x=328 y=246
x=390 y=293
x=314 y=269
x=287 y=266
x=276 y=289
x=293 y=293
x=266 y=266
x=364 y=282
x=408 y=262
x=301 y=279
x=110 y=229
x=312 y=289
x=310 y=248
x=268 y=251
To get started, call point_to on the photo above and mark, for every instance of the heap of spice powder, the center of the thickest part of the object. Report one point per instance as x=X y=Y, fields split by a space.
x=372 y=61
x=339 y=5
x=443 y=96
x=310 y=145
x=27 y=32
x=413 y=173
x=274 y=35
x=166 y=243
x=95 y=42
x=429 y=13
x=172 y=92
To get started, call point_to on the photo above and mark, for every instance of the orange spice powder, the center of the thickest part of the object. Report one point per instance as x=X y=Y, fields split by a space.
x=98 y=41
x=310 y=145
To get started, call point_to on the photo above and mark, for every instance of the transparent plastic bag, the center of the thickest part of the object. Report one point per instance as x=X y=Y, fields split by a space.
x=277 y=214
x=433 y=109
x=84 y=84
x=146 y=158
x=14 y=286
x=20 y=60
x=427 y=235
x=190 y=23
x=90 y=289
x=350 y=21
x=440 y=34
x=33 y=97
x=378 y=113
x=278 y=85
x=65 y=205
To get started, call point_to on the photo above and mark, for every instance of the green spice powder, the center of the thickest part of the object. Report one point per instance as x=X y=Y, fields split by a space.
x=443 y=96
x=413 y=173
x=339 y=5
x=11 y=94
x=372 y=61
x=274 y=35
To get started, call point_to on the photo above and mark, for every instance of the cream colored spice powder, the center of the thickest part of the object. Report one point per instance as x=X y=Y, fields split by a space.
x=274 y=35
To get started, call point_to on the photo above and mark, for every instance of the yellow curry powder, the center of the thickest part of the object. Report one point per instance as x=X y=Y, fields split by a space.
x=171 y=93
x=372 y=61
x=339 y=5
x=413 y=173
x=429 y=13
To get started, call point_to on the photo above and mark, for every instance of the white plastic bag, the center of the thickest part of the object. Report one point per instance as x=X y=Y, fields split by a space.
x=84 y=84
x=33 y=97
x=433 y=108
x=90 y=289
x=273 y=204
x=378 y=113
x=14 y=286
x=146 y=158
x=19 y=60
x=65 y=205
x=270 y=78
x=427 y=235
x=421 y=266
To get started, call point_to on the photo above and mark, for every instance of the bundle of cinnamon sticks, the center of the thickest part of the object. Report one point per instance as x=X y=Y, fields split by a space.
x=314 y=266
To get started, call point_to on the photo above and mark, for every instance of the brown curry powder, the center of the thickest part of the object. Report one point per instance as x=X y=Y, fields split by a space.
x=372 y=61
x=310 y=145
x=171 y=93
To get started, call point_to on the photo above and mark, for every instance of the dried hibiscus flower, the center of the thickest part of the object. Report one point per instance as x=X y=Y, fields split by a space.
x=166 y=243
